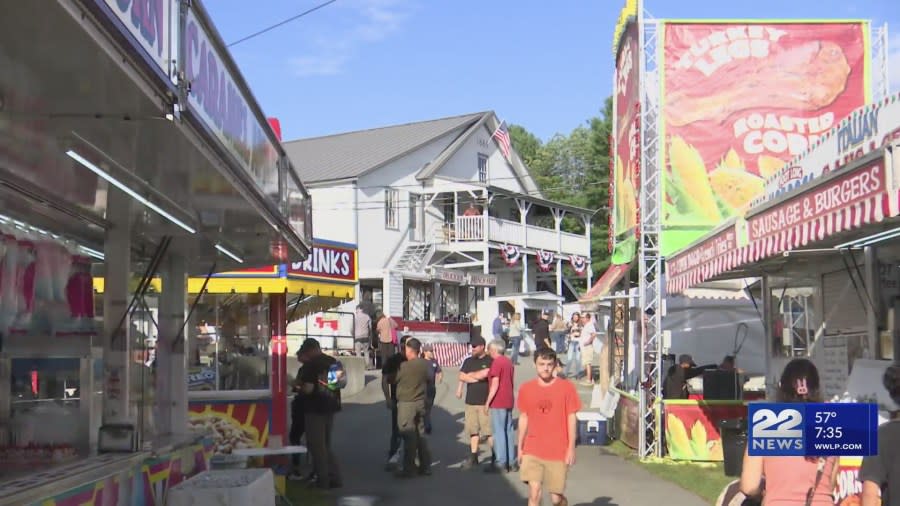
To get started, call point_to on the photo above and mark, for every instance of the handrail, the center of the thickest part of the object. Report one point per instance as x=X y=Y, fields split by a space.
x=392 y=260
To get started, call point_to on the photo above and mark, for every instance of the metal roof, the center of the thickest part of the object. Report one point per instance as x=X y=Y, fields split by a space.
x=353 y=154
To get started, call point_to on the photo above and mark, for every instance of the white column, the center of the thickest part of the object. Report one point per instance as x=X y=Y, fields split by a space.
x=524 y=208
x=587 y=235
x=558 y=215
x=116 y=337
x=524 y=272
x=171 y=362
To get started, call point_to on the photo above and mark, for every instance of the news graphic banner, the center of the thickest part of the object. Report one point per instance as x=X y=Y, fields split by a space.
x=739 y=100
x=626 y=139
x=812 y=430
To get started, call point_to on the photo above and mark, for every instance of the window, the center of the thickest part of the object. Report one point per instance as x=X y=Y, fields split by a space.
x=392 y=208
x=482 y=167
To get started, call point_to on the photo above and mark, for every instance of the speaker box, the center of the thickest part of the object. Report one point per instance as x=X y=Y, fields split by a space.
x=722 y=385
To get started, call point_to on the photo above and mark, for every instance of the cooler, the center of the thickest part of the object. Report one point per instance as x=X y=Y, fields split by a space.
x=591 y=429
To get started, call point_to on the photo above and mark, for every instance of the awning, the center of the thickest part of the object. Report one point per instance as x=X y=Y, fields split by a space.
x=844 y=201
x=607 y=281
x=330 y=270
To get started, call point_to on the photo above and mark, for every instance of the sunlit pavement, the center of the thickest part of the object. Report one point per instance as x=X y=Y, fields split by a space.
x=361 y=440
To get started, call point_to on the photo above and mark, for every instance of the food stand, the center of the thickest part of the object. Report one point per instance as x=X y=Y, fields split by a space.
x=116 y=161
x=823 y=242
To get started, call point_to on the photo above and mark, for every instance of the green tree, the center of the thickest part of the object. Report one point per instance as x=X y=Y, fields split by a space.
x=574 y=169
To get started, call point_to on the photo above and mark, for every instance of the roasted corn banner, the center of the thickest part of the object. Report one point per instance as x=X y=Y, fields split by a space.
x=739 y=100
x=626 y=141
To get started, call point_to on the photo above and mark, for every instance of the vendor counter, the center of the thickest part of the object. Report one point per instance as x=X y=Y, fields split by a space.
x=138 y=479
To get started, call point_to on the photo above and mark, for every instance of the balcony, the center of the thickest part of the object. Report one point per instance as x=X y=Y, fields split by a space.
x=468 y=229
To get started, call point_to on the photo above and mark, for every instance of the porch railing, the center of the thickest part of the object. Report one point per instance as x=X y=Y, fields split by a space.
x=469 y=228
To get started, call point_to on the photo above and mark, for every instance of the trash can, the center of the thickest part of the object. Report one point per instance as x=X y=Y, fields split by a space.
x=734 y=443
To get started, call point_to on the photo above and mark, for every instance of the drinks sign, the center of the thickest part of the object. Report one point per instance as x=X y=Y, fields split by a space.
x=224 y=109
x=327 y=261
x=865 y=130
x=150 y=23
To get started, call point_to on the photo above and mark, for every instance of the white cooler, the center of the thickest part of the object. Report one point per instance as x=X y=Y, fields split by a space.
x=232 y=487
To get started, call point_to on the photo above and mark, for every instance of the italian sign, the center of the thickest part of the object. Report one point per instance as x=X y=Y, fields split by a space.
x=626 y=140
x=741 y=99
x=865 y=130
x=224 y=109
x=150 y=23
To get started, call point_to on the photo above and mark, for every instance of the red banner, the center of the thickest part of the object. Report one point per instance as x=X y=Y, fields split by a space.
x=829 y=197
x=692 y=428
x=626 y=147
x=741 y=99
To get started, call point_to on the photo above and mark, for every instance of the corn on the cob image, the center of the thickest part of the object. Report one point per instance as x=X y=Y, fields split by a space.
x=626 y=202
x=768 y=165
x=715 y=450
x=679 y=442
x=735 y=187
x=689 y=173
x=698 y=441
x=732 y=161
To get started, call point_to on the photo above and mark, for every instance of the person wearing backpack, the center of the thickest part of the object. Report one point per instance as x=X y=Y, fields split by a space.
x=792 y=481
x=321 y=380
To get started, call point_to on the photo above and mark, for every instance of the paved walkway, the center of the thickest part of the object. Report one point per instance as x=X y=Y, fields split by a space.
x=362 y=430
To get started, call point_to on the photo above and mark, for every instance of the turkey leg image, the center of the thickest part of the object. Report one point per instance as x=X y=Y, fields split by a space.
x=804 y=78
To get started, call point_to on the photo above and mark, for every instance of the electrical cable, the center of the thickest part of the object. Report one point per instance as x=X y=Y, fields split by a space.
x=281 y=23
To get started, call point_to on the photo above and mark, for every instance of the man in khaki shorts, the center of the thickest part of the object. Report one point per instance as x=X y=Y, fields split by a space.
x=474 y=373
x=547 y=429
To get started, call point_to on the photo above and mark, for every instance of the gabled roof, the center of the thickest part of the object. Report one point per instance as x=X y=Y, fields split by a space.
x=353 y=154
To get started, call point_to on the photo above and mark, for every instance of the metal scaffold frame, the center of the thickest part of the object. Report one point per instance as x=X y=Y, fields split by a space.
x=881 y=82
x=649 y=252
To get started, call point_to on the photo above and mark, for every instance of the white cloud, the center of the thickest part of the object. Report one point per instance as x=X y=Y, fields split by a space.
x=362 y=22
x=894 y=62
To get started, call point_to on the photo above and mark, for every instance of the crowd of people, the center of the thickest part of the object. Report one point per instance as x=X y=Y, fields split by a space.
x=541 y=448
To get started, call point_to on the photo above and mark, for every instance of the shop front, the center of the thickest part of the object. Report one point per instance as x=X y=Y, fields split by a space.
x=133 y=151
x=823 y=245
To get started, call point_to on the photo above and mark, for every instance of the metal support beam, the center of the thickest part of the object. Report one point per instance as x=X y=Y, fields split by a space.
x=278 y=380
x=117 y=342
x=766 y=291
x=171 y=361
x=649 y=252
x=872 y=284
x=881 y=83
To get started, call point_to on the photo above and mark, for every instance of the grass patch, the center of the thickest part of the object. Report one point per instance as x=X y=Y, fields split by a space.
x=300 y=494
x=706 y=479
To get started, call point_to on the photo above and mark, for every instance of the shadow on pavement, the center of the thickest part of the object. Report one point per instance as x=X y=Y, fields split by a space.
x=600 y=501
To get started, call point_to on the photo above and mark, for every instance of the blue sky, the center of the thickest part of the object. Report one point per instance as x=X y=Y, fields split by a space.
x=359 y=64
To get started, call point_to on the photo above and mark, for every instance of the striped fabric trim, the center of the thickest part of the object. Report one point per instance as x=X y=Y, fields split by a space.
x=865 y=212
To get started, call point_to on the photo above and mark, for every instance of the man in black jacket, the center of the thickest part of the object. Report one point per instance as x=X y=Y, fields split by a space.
x=541 y=330
x=675 y=383
x=389 y=388
x=320 y=403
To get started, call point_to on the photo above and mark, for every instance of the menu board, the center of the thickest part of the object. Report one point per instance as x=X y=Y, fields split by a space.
x=834 y=365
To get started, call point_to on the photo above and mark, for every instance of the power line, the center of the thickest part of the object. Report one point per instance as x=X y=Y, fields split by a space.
x=282 y=23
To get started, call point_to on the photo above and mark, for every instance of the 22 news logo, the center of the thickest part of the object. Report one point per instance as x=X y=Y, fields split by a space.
x=777 y=431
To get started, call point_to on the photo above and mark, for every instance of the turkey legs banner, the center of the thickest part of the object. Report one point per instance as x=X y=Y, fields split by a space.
x=626 y=159
x=739 y=99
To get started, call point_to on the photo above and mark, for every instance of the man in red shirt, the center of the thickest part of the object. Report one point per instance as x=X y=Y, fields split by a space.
x=500 y=405
x=547 y=425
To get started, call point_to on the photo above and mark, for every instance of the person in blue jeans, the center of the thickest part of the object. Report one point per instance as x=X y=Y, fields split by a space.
x=500 y=402
x=515 y=336
x=573 y=357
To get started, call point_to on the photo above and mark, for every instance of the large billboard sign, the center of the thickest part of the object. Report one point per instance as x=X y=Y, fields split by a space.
x=626 y=142
x=739 y=100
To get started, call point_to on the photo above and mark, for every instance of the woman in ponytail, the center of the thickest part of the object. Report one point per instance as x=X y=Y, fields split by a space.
x=792 y=481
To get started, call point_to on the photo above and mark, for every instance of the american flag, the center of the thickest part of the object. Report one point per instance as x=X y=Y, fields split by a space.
x=502 y=136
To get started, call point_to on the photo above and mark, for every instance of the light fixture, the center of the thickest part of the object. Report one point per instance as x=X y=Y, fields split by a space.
x=118 y=184
x=229 y=254
x=870 y=239
x=94 y=253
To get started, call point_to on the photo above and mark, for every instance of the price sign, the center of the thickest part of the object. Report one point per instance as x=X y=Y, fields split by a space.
x=817 y=430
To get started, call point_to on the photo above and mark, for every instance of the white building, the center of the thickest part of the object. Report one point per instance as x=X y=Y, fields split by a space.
x=404 y=195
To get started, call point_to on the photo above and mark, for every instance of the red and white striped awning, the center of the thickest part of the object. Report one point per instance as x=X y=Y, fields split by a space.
x=815 y=221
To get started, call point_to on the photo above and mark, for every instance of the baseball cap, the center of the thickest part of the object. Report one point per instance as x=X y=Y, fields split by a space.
x=686 y=359
x=476 y=341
